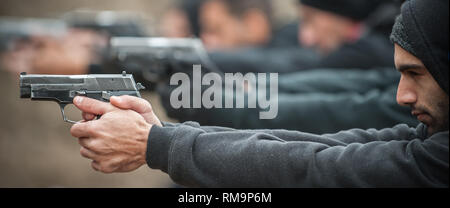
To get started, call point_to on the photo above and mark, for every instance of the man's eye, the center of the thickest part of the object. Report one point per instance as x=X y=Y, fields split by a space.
x=413 y=73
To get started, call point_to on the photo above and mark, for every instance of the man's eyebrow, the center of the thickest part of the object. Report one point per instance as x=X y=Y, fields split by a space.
x=405 y=67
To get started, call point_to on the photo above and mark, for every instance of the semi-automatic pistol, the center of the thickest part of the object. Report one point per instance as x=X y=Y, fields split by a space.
x=63 y=89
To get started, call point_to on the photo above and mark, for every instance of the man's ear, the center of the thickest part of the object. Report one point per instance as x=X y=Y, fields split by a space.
x=257 y=27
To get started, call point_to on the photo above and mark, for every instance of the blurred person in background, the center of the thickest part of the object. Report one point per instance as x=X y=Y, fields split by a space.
x=308 y=99
x=332 y=34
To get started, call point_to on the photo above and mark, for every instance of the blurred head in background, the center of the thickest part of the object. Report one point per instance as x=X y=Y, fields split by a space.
x=181 y=21
x=228 y=24
x=327 y=24
x=70 y=53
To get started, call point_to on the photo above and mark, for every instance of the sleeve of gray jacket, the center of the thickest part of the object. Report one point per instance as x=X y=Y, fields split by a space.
x=197 y=156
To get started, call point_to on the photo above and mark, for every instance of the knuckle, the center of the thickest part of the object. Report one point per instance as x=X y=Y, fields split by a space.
x=105 y=168
x=86 y=153
x=109 y=108
x=85 y=143
x=82 y=152
x=115 y=162
x=94 y=166
x=73 y=131
x=87 y=104
x=93 y=145
x=91 y=128
x=143 y=102
x=148 y=104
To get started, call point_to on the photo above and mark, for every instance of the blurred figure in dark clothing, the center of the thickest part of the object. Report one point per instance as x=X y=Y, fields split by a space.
x=315 y=101
x=329 y=95
x=328 y=25
x=338 y=30
x=344 y=33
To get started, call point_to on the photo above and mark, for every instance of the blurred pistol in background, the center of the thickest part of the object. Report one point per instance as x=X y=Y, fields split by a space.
x=155 y=59
x=111 y=23
x=62 y=89
x=14 y=28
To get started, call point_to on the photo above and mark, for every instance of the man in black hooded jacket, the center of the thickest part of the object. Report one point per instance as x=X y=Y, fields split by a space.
x=196 y=156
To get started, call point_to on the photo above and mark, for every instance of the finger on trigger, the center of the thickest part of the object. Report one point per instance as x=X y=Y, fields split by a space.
x=92 y=106
x=131 y=103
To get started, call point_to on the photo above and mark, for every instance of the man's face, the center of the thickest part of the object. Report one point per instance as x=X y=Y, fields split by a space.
x=175 y=24
x=323 y=30
x=219 y=28
x=419 y=90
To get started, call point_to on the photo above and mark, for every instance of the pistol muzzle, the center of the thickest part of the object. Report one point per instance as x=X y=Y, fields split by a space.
x=25 y=91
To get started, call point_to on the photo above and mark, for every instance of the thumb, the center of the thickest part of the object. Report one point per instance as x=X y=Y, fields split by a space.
x=92 y=106
x=138 y=105
x=132 y=103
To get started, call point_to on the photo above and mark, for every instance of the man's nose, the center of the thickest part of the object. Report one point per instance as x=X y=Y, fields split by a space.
x=406 y=94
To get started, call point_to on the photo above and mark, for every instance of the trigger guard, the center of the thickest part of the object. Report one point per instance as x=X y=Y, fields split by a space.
x=62 y=106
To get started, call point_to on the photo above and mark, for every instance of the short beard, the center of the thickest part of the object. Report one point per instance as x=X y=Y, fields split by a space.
x=442 y=120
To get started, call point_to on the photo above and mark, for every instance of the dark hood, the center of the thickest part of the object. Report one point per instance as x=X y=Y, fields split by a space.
x=422 y=30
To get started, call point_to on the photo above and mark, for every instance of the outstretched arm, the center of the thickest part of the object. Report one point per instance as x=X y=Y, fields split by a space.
x=196 y=156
